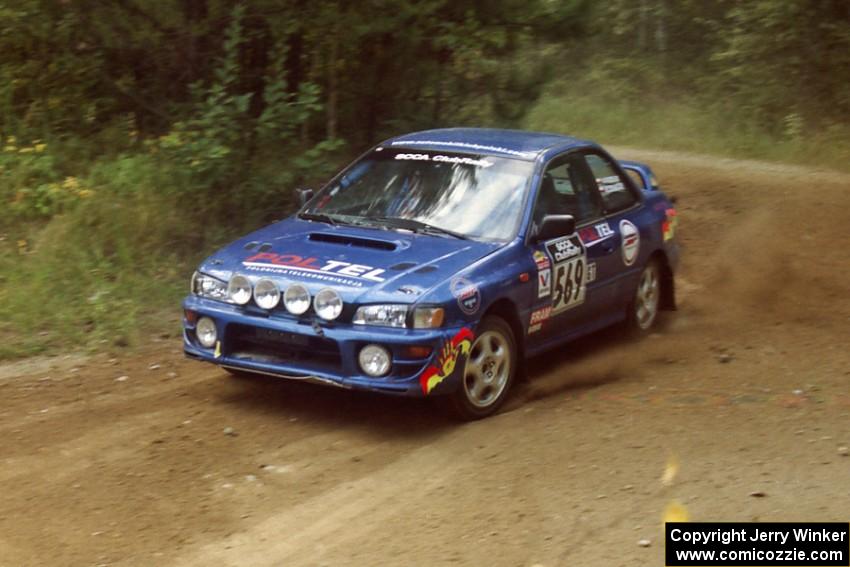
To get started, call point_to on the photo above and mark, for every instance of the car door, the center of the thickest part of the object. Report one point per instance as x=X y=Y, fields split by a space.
x=566 y=286
x=618 y=260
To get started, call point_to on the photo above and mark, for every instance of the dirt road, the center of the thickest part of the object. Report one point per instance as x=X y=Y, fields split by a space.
x=149 y=459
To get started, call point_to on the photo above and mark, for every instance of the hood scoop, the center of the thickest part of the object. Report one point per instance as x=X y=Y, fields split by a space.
x=356 y=241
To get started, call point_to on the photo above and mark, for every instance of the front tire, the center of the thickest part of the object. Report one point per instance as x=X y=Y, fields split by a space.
x=489 y=372
x=643 y=309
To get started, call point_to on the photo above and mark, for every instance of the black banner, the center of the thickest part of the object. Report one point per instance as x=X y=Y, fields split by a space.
x=757 y=543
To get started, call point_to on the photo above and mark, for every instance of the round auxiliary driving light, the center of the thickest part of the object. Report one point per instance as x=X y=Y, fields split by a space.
x=239 y=289
x=266 y=293
x=327 y=304
x=206 y=332
x=296 y=299
x=374 y=360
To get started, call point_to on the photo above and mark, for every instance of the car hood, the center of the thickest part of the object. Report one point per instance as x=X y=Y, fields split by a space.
x=365 y=265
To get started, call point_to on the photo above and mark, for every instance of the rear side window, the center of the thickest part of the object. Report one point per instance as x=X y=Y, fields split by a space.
x=614 y=189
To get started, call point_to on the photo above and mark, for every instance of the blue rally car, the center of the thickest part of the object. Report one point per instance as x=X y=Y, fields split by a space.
x=436 y=262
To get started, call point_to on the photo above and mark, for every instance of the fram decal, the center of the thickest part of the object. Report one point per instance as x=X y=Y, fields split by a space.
x=447 y=360
x=467 y=294
x=330 y=270
x=668 y=227
x=537 y=319
x=630 y=245
x=590 y=235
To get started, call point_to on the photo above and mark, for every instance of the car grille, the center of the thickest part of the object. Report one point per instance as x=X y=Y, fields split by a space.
x=258 y=344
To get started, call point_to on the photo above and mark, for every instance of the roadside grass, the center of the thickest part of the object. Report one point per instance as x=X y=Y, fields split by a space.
x=94 y=275
x=686 y=126
x=102 y=272
x=110 y=268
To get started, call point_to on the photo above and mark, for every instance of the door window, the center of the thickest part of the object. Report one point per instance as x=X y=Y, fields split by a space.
x=568 y=188
x=614 y=189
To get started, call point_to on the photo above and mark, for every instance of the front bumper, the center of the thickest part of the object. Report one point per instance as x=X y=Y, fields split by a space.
x=297 y=348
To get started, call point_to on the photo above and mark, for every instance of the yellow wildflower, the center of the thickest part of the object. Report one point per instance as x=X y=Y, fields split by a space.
x=85 y=193
x=40 y=148
x=25 y=150
x=71 y=183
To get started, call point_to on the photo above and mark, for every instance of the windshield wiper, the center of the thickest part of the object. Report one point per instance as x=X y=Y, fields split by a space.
x=320 y=217
x=419 y=226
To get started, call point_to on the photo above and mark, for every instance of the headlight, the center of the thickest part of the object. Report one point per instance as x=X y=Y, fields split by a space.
x=428 y=317
x=266 y=293
x=296 y=299
x=239 y=289
x=208 y=286
x=386 y=315
x=374 y=360
x=328 y=304
x=206 y=332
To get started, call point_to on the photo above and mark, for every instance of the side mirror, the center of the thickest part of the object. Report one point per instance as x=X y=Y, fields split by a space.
x=302 y=196
x=555 y=226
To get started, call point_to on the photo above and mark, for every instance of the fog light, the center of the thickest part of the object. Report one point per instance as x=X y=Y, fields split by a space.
x=206 y=332
x=191 y=316
x=239 y=289
x=328 y=304
x=266 y=293
x=374 y=360
x=296 y=299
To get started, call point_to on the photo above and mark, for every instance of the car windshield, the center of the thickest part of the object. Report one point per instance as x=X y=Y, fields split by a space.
x=460 y=195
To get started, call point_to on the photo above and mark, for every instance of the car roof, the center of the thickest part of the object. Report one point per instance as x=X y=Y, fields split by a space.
x=489 y=141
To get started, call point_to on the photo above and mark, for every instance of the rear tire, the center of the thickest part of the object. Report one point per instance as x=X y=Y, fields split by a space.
x=642 y=314
x=489 y=372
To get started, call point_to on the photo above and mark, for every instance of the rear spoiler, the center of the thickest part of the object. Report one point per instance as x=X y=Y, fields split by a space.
x=648 y=182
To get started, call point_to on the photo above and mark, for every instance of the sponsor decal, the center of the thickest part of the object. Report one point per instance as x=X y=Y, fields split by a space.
x=447 y=360
x=462 y=145
x=610 y=184
x=569 y=285
x=630 y=245
x=537 y=319
x=544 y=274
x=541 y=314
x=445 y=159
x=541 y=259
x=334 y=271
x=590 y=235
x=591 y=272
x=467 y=294
x=544 y=283
x=565 y=248
x=668 y=227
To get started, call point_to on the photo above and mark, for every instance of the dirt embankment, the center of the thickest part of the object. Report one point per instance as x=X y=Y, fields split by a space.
x=149 y=459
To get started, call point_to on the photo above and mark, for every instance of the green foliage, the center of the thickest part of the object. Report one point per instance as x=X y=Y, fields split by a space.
x=31 y=184
x=685 y=125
